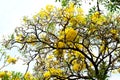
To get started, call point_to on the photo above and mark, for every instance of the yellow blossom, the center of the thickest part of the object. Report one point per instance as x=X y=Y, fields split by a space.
x=43 y=13
x=79 y=10
x=80 y=19
x=5 y=73
x=54 y=71
x=47 y=74
x=102 y=48
x=11 y=60
x=79 y=46
x=70 y=34
x=2 y=74
x=19 y=37
x=76 y=67
x=69 y=11
x=50 y=56
x=61 y=35
x=16 y=78
x=61 y=45
x=58 y=53
x=78 y=54
x=28 y=76
x=114 y=31
x=70 y=44
x=49 y=8
x=8 y=73
x=98 y=18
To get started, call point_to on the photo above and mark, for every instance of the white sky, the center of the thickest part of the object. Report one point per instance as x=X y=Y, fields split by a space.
x=11 y=13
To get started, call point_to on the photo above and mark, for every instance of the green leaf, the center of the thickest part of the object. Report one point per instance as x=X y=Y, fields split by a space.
x=64 y=2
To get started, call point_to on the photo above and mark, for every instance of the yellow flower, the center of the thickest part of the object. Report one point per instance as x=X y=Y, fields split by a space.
x=2 y=74
x=70 y=44
x=61 y=35
x=78 y=54
x=77 y=16
x=47 y=74
x=80 y=19
x=69 y=11
x=49 y=8
x=79 y=10
x=61 y=45
x=5 y=73
x=76 y=67
x=8 y=73
x=16 y=78
x=79 y=46
x=19 y=37
x=54 y=71
x=43 y=13
x=92 y=28
x=73 y=21
x=11 y=60
x=70 y=34
x=114 y=31
x=28 y=76
x=102 y=47
x=50 y=56
x=98 y=18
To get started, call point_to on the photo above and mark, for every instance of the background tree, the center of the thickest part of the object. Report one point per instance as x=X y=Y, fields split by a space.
x=65 y=43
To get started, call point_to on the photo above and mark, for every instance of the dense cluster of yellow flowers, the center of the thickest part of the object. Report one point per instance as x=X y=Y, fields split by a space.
x=60 y=45
x=11 y=60
x=28 y=76
x=69 y=11
x=69 y=34
x=78 y=54
x=78 y=66
x=45 y=13
x=47 y=75
x=4 y=73
x=53 y=72
x=75 y=14
x=49 y=8
x=97 y=18
x=7 y=75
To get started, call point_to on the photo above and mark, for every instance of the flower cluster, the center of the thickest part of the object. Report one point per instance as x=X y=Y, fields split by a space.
x=53 y=72
x=98 y=18
x=11 y=60
x=7 y=75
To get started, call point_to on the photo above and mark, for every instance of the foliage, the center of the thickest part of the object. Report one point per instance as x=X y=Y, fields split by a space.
x=7 y=75
x=65 y=43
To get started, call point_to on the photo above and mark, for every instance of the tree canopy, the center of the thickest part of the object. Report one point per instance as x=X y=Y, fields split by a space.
x=67 y=44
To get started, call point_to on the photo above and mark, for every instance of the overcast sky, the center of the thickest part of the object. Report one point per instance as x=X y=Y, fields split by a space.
x=11 y=13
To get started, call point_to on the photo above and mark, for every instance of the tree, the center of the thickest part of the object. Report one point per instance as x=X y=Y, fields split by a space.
x=65 y=43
